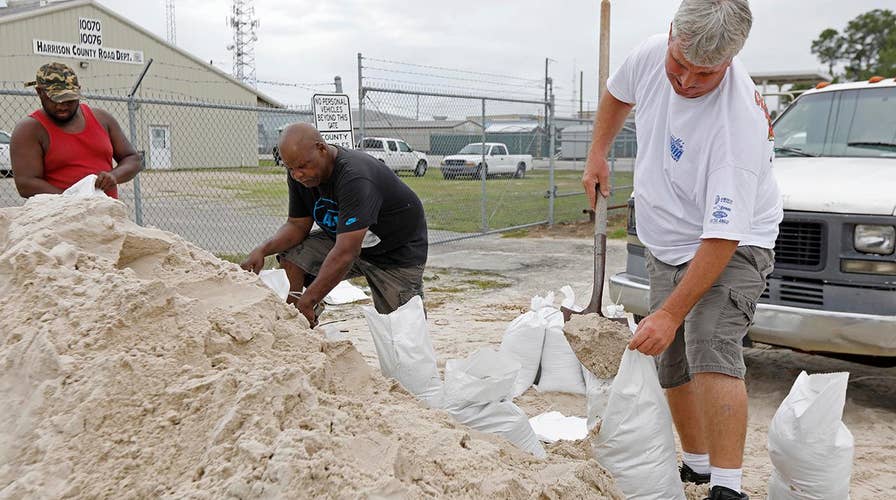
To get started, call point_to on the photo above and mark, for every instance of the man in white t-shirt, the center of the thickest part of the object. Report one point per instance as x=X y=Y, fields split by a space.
x=707 y=210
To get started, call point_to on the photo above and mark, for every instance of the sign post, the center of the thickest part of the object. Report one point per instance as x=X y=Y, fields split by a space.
x=333 y=119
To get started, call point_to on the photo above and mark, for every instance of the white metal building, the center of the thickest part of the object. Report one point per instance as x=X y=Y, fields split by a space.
x=108 y=52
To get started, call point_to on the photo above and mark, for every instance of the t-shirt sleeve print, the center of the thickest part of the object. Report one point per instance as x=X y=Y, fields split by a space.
x=359 y=205
x=730 y=200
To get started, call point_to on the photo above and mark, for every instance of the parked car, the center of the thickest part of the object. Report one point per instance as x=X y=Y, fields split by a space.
x=468 y=161
x=833 y=289
x=396 y=154
x=5 y=163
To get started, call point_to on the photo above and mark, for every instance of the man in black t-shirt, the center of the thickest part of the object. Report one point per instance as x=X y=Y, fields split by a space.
x=371 y=225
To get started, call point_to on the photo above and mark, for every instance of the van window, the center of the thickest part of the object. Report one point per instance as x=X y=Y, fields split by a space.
x=403 y=147
x=392 y=146
x=854 y=123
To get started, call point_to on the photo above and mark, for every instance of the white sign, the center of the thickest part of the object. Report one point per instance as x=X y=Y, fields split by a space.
x=90 y=31
x=333 y=118
x=80 y=51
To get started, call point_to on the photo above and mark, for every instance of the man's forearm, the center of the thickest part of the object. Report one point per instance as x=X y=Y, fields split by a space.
x=707 y=265
x=32 y=186
x=288 y=236
x=334 y=268
x=127 y=169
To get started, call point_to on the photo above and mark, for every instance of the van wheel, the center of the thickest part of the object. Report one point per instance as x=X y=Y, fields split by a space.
x=520 y=171
x=420 y=171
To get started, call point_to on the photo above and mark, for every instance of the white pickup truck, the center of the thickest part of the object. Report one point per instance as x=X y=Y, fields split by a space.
x=396 y=154
x=833 y=289
x=468 y=161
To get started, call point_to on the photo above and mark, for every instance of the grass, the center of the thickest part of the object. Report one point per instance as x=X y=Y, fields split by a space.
x=454 y=205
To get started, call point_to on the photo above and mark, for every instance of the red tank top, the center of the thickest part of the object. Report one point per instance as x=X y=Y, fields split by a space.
x=71 y=157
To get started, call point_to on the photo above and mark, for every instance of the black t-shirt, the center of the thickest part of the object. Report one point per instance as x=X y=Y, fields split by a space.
x=363 y=192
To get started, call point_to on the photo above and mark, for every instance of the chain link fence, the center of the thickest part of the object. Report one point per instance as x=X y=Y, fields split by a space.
x=210 y=176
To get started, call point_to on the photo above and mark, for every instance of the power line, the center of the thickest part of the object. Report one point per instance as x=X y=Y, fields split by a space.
x=456 y=70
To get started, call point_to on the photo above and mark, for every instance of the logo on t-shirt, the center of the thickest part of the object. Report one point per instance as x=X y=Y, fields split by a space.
x=326 y=214
x=676 y=147
x=721 y=209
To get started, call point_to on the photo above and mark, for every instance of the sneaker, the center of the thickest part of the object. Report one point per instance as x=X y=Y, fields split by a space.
x=689 y=476
x=723 y=493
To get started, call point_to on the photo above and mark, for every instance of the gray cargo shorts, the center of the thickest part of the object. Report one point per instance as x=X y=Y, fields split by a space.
x=711 y=338
x=390 y=287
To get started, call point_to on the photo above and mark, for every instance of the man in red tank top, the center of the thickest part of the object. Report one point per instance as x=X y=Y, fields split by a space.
x=63 y=142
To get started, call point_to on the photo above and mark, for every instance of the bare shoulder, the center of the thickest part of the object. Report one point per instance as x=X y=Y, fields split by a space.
x=103 y=116
x=28 y=128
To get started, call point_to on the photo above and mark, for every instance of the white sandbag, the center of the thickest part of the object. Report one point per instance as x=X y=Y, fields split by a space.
x=561 y=370
x=84 y=188
x=485 y=376
x=523 y=341
x=597 y=395
x=635 y=441
x=405 y=350
x=553 y=426
x=504 y=419
x=276 y=280
x=810 y=447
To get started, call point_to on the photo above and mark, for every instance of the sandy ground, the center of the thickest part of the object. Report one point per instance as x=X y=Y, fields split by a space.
x=474 y=288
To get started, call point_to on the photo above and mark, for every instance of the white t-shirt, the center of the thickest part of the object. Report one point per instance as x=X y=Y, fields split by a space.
x=704 y=165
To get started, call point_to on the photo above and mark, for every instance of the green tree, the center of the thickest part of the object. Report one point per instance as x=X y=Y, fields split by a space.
x=867 y=46
x=829 y=48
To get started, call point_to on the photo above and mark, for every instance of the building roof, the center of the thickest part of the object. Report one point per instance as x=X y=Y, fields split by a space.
x=43 y=7
x=504 y=127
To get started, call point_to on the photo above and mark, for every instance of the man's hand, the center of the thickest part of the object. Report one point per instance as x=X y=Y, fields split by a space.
x=655 y=333
x=254 y=261
x=105 y=181
x=597 y=172
x=306 y=307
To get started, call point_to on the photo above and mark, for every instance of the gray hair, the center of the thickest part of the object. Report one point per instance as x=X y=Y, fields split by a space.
x=711 y=32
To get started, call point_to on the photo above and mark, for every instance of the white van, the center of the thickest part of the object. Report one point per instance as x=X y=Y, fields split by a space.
x=833 y=289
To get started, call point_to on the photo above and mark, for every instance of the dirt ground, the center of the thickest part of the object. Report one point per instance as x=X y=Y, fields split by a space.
x=475 y=288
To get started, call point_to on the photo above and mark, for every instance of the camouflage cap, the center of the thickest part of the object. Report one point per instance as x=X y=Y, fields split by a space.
x=59 y=82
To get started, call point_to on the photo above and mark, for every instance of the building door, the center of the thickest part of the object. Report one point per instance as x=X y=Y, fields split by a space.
x=159 y=147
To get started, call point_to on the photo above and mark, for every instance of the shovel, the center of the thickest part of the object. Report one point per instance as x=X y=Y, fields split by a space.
x=600 y=253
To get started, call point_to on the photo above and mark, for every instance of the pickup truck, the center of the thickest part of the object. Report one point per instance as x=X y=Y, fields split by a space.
x=833 y=289
x=396 y=154
x=468 y=161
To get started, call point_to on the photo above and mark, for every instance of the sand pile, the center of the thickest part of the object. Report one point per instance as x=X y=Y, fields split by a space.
x=134 y=364
x=598 y=342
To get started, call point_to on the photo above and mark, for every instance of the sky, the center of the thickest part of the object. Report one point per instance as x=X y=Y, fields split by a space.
x=309 y=42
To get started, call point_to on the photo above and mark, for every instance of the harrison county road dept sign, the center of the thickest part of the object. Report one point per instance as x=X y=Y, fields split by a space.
x=333 y=119
x=88 y=46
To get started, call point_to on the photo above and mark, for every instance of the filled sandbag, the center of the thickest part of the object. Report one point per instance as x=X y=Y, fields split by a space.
x=405 y=351
x=561 y=370
x=504 y=419
x=486 y=376
x=635 y=441
x=810 y=447
x=523 y=341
